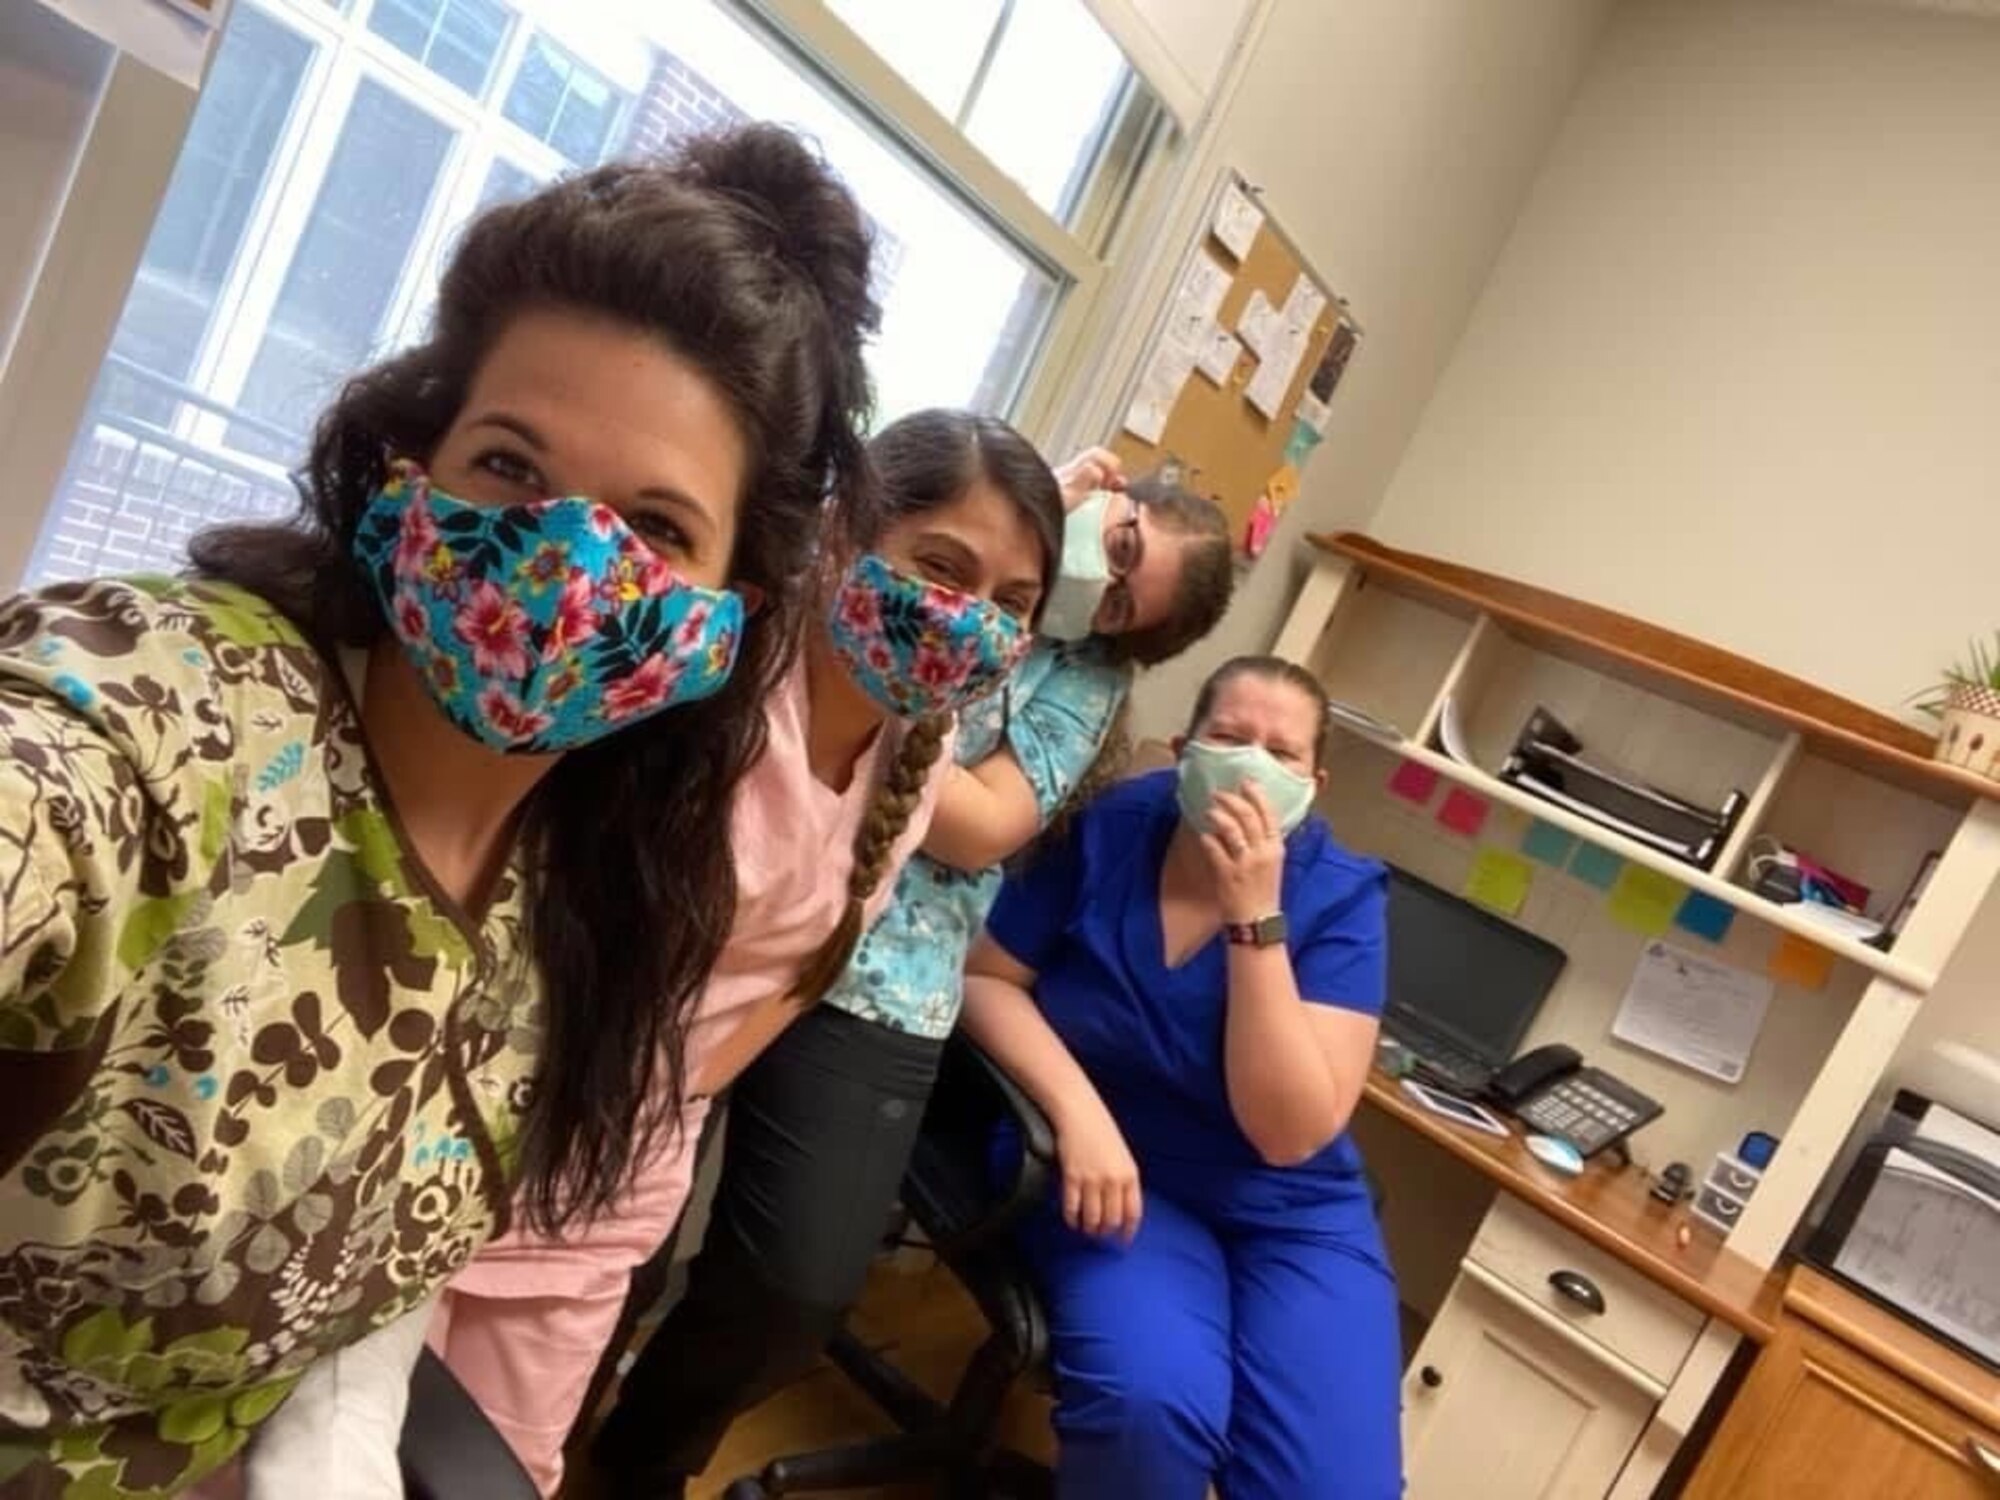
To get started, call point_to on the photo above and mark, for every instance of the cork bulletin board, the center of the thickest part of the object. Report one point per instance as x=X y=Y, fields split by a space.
x=1236 y=382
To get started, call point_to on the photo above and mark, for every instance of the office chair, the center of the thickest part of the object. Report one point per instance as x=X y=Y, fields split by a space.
x=449 y=1451
x=950 y=1193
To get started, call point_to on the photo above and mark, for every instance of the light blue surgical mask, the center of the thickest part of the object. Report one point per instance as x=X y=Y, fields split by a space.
x=1084 y=575
x=1206 y=769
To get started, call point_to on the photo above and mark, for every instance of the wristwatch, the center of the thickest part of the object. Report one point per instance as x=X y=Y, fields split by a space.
x=1265 y=932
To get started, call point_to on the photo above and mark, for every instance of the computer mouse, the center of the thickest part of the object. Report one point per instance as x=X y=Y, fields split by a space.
x=1556 y=1154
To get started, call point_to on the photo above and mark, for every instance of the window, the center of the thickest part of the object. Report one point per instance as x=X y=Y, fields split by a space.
x=558 y=100
x=458 y=40
x=348 y=263
x=339 y=146
x=1035 y=84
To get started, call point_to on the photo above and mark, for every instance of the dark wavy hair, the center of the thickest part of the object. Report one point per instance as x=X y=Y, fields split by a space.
x=1208 y=573
x=925 y=460
x=745 y=256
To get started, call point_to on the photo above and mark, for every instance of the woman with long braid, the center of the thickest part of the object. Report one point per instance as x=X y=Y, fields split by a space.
x=920 y=618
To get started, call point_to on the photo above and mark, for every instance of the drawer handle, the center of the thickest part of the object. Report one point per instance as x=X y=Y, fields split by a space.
x=1579 y=1288
x=1432 y=1377
x=1984 y=1456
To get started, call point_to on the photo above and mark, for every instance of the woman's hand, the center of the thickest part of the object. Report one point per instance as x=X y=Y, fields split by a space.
x=1092 y=470
x=1100 y=1180
x=1246 y=853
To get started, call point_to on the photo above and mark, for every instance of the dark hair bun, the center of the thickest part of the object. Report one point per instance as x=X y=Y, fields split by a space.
x=815 y=225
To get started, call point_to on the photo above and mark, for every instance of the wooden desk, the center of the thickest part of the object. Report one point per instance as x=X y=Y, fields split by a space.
x=1610 y=1207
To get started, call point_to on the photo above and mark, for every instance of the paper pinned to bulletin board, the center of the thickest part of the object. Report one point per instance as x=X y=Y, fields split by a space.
x=1237 y=387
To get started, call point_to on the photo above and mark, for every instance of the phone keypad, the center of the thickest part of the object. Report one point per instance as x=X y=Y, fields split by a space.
x=1581 y=1113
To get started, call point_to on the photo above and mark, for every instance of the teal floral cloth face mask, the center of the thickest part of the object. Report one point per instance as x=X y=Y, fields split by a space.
x=1206 y=769
x=1084 y=576
x=916 y=647
x=540 y=627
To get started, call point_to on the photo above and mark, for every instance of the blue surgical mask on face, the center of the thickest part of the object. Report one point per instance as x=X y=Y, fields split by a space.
x=1084 y=576
x=1206 y=769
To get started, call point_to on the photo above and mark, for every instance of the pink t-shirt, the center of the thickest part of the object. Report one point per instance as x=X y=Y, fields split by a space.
x=793 y=838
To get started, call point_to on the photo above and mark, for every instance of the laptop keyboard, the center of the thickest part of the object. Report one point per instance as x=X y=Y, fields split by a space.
x=1448 y=1066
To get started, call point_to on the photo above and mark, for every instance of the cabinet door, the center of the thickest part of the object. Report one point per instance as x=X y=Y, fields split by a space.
x=1501 y=1406
x=1818 y=1421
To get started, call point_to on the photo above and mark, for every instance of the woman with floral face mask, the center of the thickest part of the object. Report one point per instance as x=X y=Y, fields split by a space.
x=821 y=1128
x=293 y=851
x=924 y=617
x=1188 y=985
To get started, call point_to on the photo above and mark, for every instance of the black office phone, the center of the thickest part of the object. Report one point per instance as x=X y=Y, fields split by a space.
x=1551 y=1091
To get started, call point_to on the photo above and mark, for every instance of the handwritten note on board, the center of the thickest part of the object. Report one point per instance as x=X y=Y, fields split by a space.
x=1795 y=961
x=1694 y=1010
x=1464 y=813
x=1645 y=900
x=1414 y=783
x=1500 y=881
x=1237 y=220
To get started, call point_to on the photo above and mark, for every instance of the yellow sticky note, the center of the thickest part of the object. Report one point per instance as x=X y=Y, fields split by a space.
x=1499 y=880
x=1645 y=900
x=1796 y=961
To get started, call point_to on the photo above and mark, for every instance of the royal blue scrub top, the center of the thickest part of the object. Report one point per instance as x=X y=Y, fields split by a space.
x=1085 y=916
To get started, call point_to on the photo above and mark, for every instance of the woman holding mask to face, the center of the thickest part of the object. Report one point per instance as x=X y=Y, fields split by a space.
x=354 y=892
x=822 y=1126
x=1188 y=985
x=921 y=615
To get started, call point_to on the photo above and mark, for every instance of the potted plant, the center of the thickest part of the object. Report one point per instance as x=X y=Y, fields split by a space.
x=1966 y=703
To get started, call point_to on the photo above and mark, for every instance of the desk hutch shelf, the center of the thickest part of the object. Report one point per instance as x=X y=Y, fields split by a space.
x=1410 y=639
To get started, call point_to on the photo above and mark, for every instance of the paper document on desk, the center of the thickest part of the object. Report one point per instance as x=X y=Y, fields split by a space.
x=1693 y=1010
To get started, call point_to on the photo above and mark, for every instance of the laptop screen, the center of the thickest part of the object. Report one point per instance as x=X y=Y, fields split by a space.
x=1459 y=970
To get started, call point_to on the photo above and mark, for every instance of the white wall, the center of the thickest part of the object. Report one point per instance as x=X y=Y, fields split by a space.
x=1736 y=371
x=1395 y=141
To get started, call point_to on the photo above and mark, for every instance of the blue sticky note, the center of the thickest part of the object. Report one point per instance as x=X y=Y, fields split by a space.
x=1705 y=917
x=1548 y=843
x=1595 y=866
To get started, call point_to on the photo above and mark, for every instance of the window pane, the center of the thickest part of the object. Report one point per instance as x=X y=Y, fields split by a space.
x=456 y=39
x=936 y=47
x=1047 y=102
x=215 y=184
x=963 y=310
x=348 y=263
x=557 y=99
x=504 y=183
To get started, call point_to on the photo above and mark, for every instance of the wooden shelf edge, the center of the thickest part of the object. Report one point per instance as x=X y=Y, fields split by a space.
x=1706 y=1275
x=1849 y=731
x=1910 y=976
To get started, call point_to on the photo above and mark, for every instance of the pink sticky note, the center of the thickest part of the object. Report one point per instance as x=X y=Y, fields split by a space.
x=1414 y=783
x=1464 y=813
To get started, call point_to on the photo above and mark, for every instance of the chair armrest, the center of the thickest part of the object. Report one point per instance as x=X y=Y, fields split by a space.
x=1029 y=1186
x=449 y=1451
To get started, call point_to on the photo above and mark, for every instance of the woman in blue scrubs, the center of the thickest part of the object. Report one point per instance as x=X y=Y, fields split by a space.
x=1189 y=985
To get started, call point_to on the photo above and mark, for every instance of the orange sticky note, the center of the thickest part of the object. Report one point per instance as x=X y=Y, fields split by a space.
x=1796 y=961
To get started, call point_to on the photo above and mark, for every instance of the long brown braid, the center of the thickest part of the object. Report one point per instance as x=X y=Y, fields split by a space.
x=889 y=813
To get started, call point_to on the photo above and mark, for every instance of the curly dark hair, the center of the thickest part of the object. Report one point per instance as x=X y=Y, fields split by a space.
x=744 y=255
x=1208 y=573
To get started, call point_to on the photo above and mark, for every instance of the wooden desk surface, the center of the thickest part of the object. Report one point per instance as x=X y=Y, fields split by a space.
x=1610 y=1207
x=1903 y=1347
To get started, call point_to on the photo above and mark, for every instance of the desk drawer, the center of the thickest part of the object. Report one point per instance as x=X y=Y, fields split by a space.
x=1641 y=1323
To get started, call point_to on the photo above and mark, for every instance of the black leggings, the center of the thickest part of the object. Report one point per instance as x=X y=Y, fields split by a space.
x=819 y=1134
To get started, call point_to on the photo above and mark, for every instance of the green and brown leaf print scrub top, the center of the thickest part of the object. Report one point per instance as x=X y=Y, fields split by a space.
x=259 y=1081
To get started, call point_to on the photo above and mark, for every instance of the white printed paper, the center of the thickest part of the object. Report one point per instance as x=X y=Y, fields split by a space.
x=1275 y=374
x=1921 y=1241
x=1693 y=1010
x=1237 y=220
x=1206 y=284
x=1304 y=303
x=1219 y=355
x=1159 y=388
x=1259 y=325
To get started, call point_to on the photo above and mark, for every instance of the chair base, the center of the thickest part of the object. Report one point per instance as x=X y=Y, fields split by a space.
x=945 y=1443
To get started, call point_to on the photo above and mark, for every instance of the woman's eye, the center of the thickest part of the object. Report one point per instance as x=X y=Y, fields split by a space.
x=510 y=468
x=942 y=570
x=1020 y=606
x=661 y=533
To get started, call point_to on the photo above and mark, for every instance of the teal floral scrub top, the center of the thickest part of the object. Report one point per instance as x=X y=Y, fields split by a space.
x=260 y=1080
x=1054 y=715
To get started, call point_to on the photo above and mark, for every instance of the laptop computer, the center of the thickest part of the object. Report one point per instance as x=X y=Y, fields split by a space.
x=1464 y=984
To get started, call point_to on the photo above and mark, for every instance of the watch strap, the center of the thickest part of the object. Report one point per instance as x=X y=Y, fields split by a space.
x=1265 y=932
